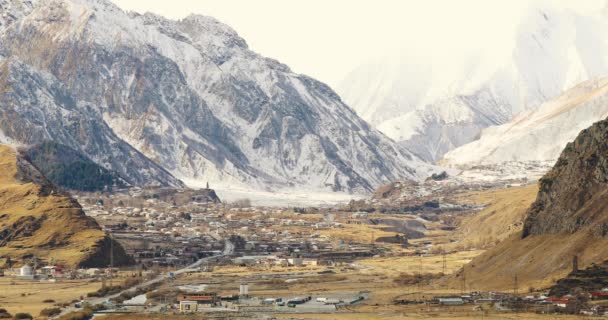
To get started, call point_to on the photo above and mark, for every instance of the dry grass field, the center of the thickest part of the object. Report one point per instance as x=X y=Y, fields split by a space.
x=415 y=315
x=358 y=233
x=390 y=314
x=29 y=296
x=393 y=266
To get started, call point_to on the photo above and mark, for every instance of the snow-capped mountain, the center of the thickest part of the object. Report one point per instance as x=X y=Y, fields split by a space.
x=156 y=99
x=539 y=135
x=433 y=108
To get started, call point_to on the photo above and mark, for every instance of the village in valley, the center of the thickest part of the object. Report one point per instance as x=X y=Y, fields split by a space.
x=193 y=254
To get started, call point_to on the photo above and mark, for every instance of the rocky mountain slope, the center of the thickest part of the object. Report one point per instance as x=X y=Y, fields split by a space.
x=157 y=100
x=433 y=108
x=569 y=218
x=39 y=221
x=538 y=135
x=572 y=195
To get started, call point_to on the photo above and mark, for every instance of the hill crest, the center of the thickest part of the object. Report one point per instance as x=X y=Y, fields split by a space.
x=37 y=220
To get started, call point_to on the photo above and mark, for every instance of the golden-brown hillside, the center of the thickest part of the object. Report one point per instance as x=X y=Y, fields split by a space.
x=38 y=220
x=503 y=216
x=568 y=218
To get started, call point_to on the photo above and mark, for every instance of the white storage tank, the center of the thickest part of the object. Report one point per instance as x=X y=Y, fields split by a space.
x=26 y=271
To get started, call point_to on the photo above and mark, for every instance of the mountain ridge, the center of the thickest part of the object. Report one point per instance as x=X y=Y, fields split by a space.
x=191 y=99
x=537 y=135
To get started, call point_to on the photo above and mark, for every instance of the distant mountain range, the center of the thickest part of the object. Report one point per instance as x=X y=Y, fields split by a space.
x=162 y=102
x=432 y=109
x=538 y=135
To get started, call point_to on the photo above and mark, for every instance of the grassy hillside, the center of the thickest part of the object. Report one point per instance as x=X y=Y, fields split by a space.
x=37 y=220
x=538 y=261
x=69 y=169
x=503 y=216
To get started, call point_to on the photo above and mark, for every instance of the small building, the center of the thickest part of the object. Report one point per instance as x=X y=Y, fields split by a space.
x=92 y=272
x=310 y=262
x=296 y=262
x=54 y=271
x=451 y=301
x=188 y=306
x=599 y=295
x=209 y=299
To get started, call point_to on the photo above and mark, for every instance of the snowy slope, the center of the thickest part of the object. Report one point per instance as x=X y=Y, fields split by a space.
x=432 y=108
x=187 y=97
x=539 y=135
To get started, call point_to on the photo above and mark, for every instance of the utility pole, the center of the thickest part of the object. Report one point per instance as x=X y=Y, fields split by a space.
x=35 y=264
x=516 y=302
x=420 y=278
x=111 y=258
x=464 y=280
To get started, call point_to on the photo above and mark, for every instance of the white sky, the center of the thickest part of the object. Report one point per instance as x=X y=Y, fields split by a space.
x=327 y=39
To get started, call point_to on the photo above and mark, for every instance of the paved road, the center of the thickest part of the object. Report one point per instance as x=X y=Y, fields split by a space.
x=228 y=250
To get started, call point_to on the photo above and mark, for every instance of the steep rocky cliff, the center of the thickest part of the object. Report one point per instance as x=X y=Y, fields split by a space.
x=571 y=192
x=39 y=221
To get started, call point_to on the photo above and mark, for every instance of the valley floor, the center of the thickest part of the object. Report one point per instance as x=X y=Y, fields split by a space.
x=387 y=281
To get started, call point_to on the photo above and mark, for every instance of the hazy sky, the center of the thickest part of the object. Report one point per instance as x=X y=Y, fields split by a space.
x=328 y=38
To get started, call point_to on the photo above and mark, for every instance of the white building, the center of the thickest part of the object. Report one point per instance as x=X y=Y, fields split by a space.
x=27 y=271
x=188 y=306
x=244 y=289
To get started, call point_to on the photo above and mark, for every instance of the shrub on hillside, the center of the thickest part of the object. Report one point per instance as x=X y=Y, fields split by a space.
x=411 y=279
x=50 y=312
x=23 y=316
x=4 y=314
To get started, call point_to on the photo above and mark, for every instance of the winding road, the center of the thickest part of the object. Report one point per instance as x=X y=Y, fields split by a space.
x=228 y=250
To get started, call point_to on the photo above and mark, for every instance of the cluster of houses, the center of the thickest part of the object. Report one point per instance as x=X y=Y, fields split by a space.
x=157 y=232
x=274 y=260
x=54 y=272
x=572 y=304
x=190 y=302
